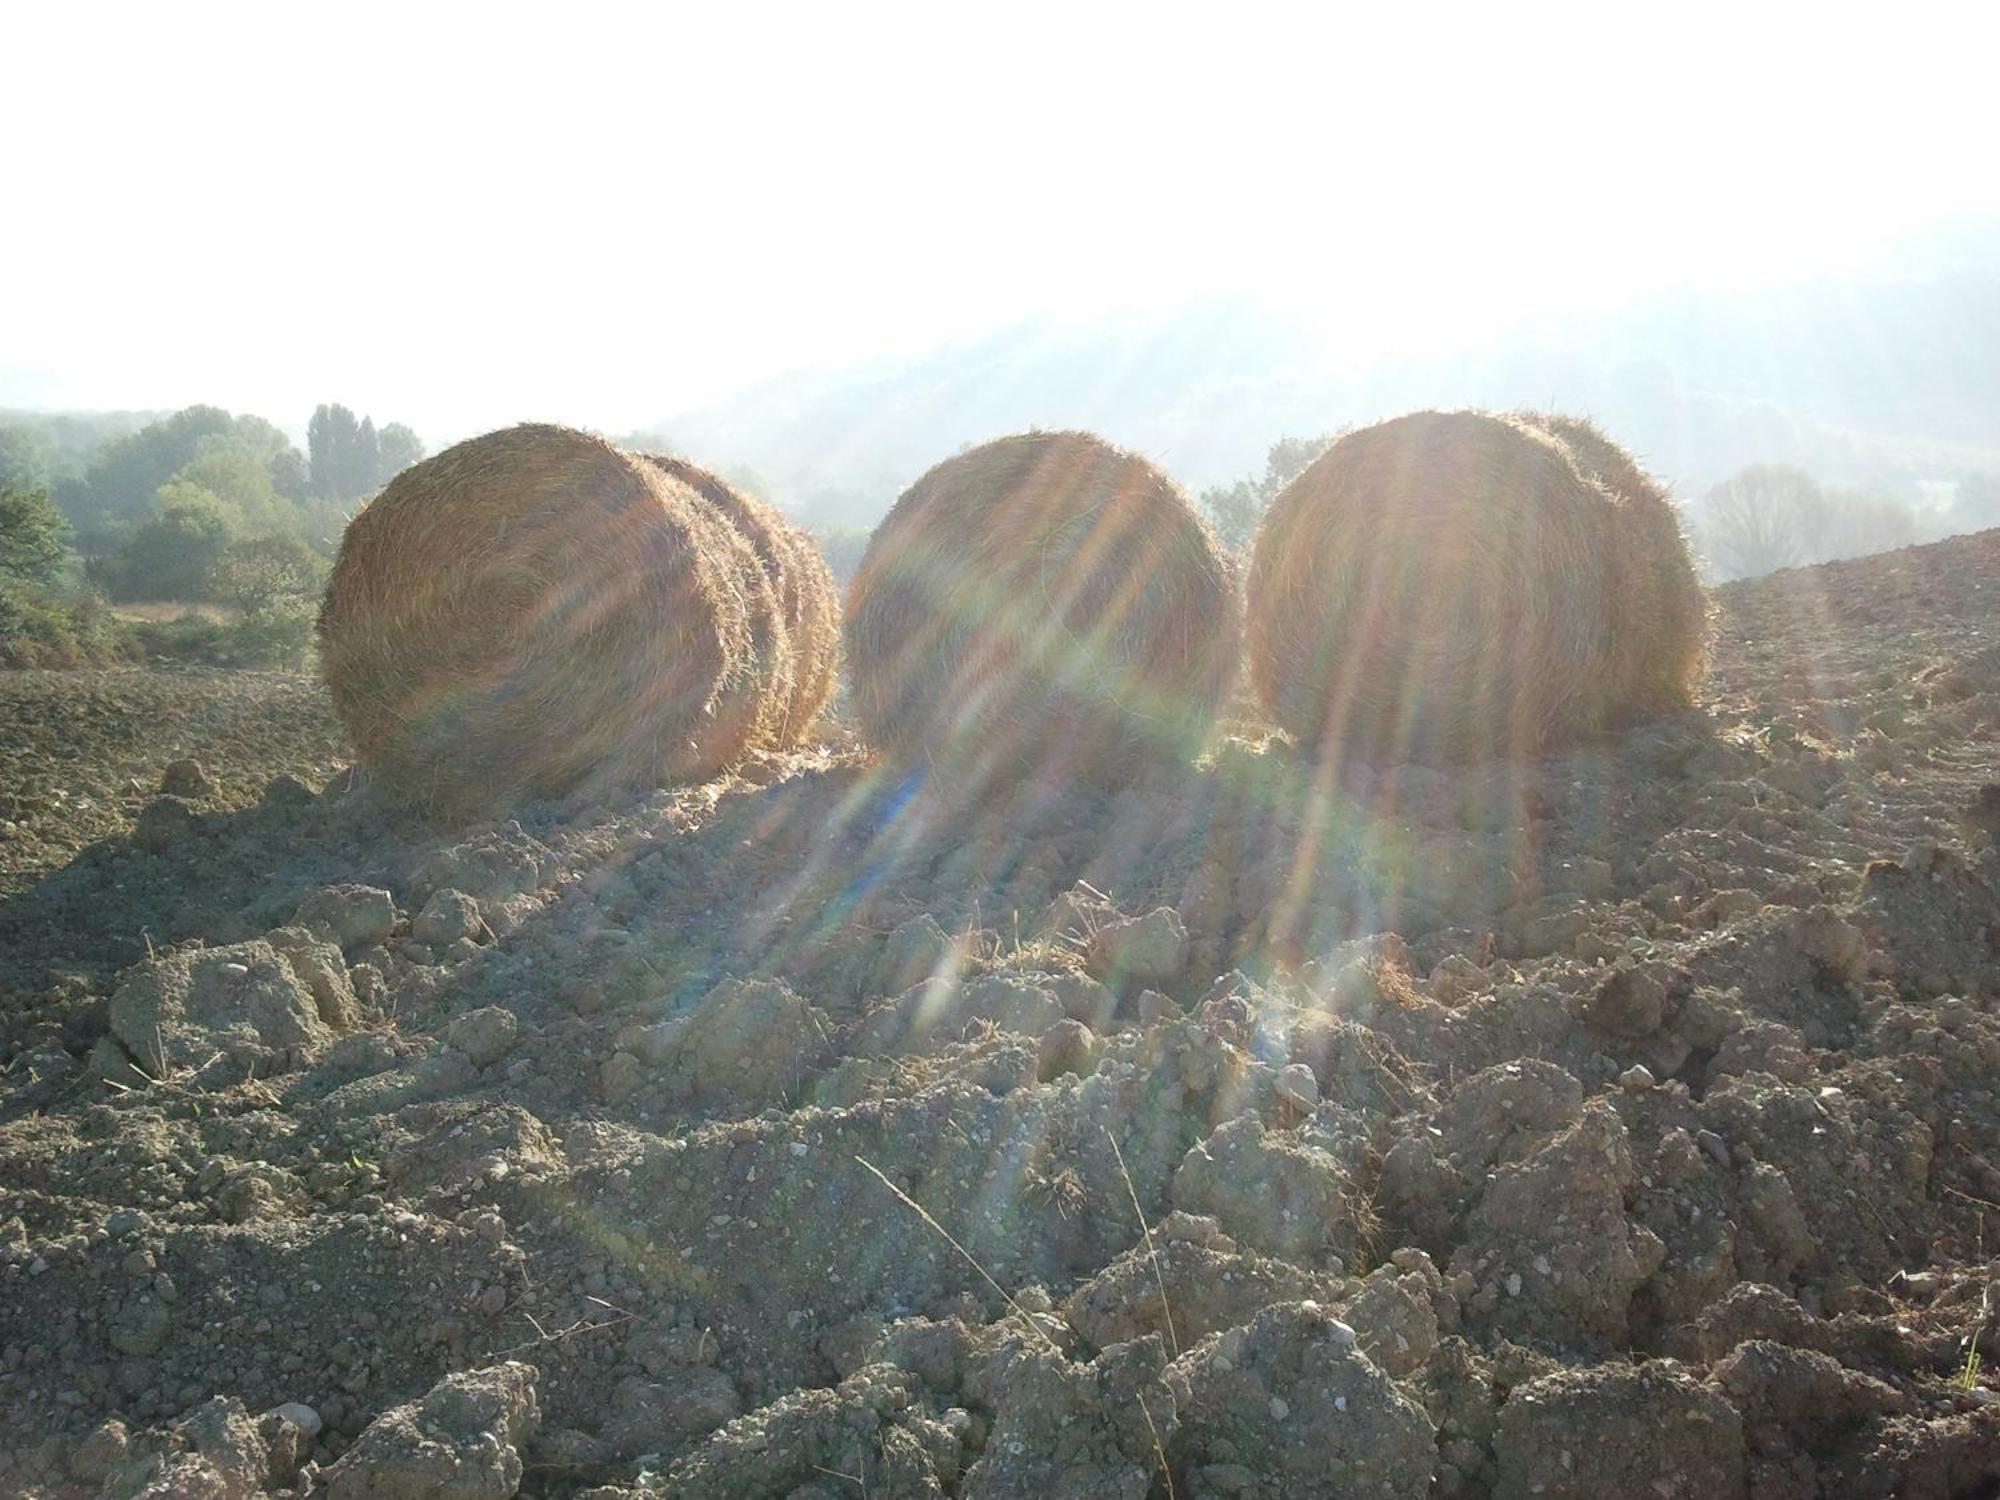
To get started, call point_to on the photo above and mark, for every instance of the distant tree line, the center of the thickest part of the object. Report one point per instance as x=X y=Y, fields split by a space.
x=1771 y=516
x=201 y=505
x=349 y=459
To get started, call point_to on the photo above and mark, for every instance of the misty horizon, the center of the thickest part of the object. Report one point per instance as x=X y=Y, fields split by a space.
x=542 y=222
x=1856 y=381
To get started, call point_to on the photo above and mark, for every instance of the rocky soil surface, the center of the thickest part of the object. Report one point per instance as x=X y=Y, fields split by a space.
x=81 y=753
x=1622 y=1123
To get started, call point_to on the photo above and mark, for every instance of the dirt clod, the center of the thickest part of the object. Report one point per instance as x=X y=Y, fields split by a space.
x=461 y=1441
x=185 y=778
x=1617 y=1121
x=1146 y=952
x=1618 y=1430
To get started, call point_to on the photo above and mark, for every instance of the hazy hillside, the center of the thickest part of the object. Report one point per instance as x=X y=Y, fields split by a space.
x=67 y=440
x=1884 y=385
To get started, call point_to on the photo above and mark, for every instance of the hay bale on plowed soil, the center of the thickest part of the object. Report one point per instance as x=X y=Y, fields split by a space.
x=534 y=613
x=1456 y=585
x=1044 y=603
x=808 y=602
x=1660 y=622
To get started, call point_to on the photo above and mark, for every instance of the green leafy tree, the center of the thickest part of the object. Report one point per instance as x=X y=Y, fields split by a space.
x=123 y=479
x=349 y=459
x=344 y=454
x=25 y=461
x=1288 y=459
x=33 y=536
x=330 y=437
x=283 y=464
x=288 y=475
x=366 y=462
x=173 y=555
x=1234 y=510
x=261 y=436
x=180 y=494
x=400 y=447
x=277 y=634
x=264 y=571
x=68 y=442
x=235 y=475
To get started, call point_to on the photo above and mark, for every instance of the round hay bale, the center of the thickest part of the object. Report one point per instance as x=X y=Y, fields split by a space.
x=1660 y=625
x=808 y=602
x=1441 y=586
x=1042 y=603
x=753 y=572
x=534 y=613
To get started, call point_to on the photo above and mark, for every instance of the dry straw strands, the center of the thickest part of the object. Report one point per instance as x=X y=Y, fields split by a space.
x=534 y=613
x=1042 y=604
x=1659 y=623
x=809 y=604
x=1452 y=585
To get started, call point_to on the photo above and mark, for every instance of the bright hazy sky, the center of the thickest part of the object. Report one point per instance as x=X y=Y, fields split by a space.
x=464 y=215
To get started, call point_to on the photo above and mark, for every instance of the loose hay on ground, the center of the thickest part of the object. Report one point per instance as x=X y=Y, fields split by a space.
x=533 y=612
x=1455 y=585
x=1044 y=603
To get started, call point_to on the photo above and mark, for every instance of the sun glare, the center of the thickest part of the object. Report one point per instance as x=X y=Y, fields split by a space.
x=475 y=217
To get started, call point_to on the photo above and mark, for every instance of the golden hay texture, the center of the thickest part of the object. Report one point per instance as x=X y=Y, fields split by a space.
x=534 y=613
x=1660 y=624
x=1044 y=603
x=809 y=605
x=753 y=720
x=1453 y=585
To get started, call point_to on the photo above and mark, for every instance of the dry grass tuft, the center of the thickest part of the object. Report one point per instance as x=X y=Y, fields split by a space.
x=1152 y=1254
x=1455 y=585
x=534 y=613
x=966 y=1255
x=1043 y=604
